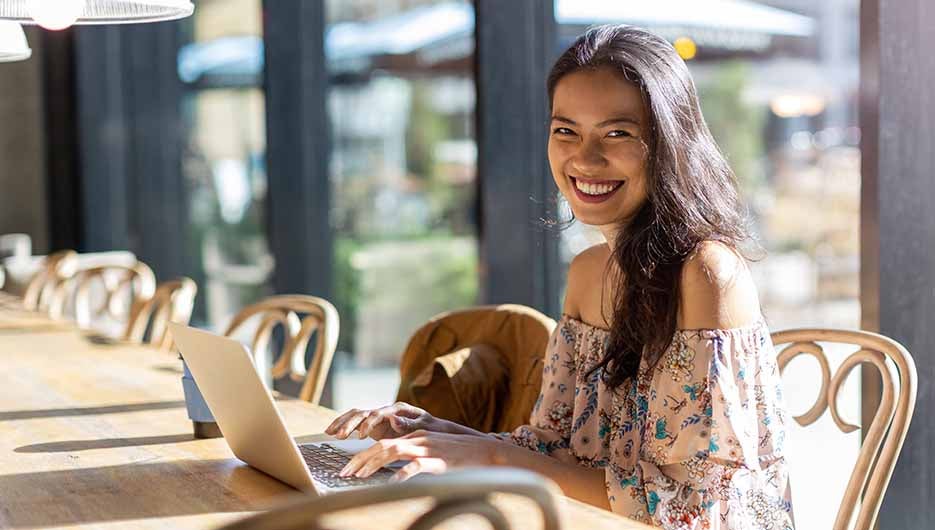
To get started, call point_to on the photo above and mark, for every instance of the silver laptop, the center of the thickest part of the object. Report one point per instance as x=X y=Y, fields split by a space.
x=247 y=416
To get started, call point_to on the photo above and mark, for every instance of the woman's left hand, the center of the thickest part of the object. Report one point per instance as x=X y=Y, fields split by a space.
x=429 y=452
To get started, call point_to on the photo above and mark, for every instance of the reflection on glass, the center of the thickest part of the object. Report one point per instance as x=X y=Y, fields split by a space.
x=225 y=161
x=779 y=92
x=403 y=168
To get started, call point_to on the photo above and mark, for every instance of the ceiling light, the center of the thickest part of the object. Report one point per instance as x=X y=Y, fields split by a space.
x=59 y=14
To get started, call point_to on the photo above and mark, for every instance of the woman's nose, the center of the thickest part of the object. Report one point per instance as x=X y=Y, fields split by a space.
x=588 y=158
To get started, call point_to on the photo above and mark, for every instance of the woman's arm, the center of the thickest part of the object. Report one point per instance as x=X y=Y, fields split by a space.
x=392 y=421
x=435 y=445
x=434 y=452
x=585 y=484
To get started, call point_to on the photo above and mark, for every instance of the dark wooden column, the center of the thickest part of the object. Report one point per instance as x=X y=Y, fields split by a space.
x=104 y=137
x=515 y=49
x=129 y=115
x=63 y=179
x=298 y=146
x=897 y=117
x=159 y=214
x=298 y=150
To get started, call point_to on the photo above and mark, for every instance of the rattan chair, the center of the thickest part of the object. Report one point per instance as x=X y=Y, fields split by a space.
x=460 y=492
x=172 y=301
x=885 y=436
x=41 y=289
x=103 y=293
x=284 y=310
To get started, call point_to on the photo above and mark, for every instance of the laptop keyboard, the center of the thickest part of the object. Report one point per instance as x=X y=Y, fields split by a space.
x=325 y=462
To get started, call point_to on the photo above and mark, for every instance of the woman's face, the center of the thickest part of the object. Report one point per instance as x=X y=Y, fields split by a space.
x=598 y=146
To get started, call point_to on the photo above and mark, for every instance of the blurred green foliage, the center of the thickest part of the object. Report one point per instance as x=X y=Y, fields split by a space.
x=737 y=126
x=404 y=280
x=346 y=294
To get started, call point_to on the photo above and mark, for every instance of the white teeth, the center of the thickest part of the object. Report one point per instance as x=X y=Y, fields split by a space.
x=594 y=189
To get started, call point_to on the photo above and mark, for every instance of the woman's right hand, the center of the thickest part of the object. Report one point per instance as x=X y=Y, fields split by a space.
x=398 y=419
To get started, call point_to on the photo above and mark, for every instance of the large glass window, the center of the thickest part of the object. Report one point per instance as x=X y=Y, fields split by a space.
x=780 y=96
x=403 y=168
x=224 y=163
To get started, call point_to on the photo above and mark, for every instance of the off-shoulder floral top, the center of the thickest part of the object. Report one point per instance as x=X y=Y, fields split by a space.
x=696 y=442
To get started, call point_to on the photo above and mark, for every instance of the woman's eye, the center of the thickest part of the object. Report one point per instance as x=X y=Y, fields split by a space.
x=562 y=131
x=619 y=134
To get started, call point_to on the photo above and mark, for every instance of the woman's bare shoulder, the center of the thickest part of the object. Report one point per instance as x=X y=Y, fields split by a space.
x=585 y=279
x=717 y=290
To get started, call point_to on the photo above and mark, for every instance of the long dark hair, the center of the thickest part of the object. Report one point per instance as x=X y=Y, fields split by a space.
x=692 y=195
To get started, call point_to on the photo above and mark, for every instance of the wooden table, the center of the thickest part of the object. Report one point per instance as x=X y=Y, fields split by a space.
x=96 y=436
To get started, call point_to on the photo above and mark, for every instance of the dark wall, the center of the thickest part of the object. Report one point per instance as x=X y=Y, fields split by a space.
x=23 y=205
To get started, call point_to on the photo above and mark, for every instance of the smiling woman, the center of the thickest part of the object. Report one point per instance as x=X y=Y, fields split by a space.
x=596 y=149
x=640 y=409
x=625 y=110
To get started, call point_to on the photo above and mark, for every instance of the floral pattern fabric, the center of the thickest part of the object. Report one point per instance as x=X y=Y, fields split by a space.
x=694 y=443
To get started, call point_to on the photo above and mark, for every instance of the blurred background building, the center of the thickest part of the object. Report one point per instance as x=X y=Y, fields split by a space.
x=778 y=81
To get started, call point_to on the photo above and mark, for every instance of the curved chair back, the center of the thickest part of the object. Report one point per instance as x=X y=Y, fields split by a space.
x=172 y=301
x=284 y=310
x=456 y=493
x=41 y=289
x=104 y=292
x=884 y=438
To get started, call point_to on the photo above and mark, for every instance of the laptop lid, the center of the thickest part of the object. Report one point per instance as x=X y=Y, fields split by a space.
x=241 y=405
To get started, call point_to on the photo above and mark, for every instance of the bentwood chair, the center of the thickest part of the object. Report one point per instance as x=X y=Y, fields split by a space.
x=172 y=301
x=13 y=247
x=319 y=316
x=455 y=493
x=884 y=438
x=56 y=268
x=103 y=294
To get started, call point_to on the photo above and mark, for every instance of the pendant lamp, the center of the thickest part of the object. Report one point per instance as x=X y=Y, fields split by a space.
x=59 y=14
x=13 y=45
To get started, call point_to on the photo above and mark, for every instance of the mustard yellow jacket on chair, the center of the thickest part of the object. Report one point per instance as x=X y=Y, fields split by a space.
x=480 y=367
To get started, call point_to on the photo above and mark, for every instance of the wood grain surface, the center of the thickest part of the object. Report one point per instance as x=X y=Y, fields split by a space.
x=96 y=436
